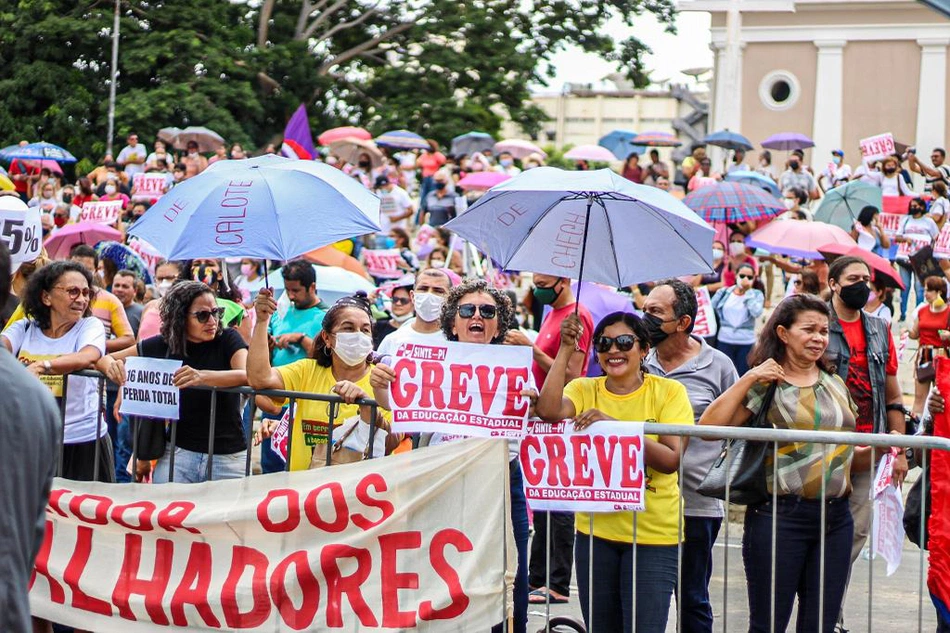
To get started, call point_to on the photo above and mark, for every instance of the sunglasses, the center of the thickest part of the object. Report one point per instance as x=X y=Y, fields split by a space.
x=75 y=292
x=746 y=277
x=625 y=343
x=400 y=301
x=467 y=310
x=204 y=315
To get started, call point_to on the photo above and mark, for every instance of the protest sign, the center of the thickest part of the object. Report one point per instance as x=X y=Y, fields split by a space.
x=902 y=345
x=461 y=389
x=877 y=147
x=149 y=390
x=359 y=547
x=384 y=263
x=279 y=438
x=888 y=515
x=599 y=469
x=898 y=205
x=706 y=324
x=911 y=246
x=891 y=223
x=942 y=244
x=147 y=252
x=20 y=229
x=102 y=211
x=148 y=186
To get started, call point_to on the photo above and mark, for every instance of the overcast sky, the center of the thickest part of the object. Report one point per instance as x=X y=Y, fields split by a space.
x=689 y=48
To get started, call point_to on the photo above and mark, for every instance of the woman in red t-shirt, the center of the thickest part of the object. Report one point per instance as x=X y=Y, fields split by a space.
x=932 y=328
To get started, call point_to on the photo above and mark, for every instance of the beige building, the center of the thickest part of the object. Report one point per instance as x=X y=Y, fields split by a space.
x=836 y=70
x=581 y=115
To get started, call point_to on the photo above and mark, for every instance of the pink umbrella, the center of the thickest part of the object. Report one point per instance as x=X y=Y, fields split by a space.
x=591 y=152
x=59 y=243
x=798 y=238
x=340 y=133
x=518 y=148
x=482 y=180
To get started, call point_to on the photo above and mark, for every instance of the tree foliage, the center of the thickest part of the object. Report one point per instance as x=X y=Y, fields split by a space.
x=438 y=67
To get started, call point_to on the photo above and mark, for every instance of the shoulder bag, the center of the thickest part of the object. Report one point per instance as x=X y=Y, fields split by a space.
x=744 y=472
x=339 y=454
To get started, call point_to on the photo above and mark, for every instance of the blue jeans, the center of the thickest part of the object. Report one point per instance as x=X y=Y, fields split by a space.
x=191 y=467
x=738 y=354
x=519 y=524
x=908 y=277
x=612 y=584
x=700 y=534
x=123 y=450
x=797 y=559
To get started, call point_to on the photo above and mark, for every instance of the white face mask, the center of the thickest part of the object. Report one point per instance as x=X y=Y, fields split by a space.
x=789 y=203
x=736 y=249
x=428 y=306
x=353 y=347
x=162 y=288
x=717 y=253
x=110 y=189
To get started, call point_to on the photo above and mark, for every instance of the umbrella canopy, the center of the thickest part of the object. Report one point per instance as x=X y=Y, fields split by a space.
x=797 y=238
x=841 y=205
x=788 y=141
x=402 y=139
x=577 y=224
x=728 y=140
x=590 y=152
x=340 y=133
x=267 y=208
x=37 y=165
x=207 y=140
x=168 y=134
x=733 y=202
x=330 y=256
x=59 y=243
x=657 y=139
x=37 y=151
x=124 y=258
x=482 y=180
x=885 y=271
x=350 y=149
x=518 y=148
x=619 y=142
x=755 y=179
x=471 y=143
x=332 y=283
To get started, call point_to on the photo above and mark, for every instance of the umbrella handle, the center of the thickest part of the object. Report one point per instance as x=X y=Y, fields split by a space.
x=580 y=277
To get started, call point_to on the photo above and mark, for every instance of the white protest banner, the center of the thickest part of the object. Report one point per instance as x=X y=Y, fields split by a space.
x=911 y=246
x=148 y=186
x=888 y=528
x=149 y=390
x=706 y=324
x=891 y=223
x=902 y=345
x=102 y=211
x=599 y=469
x=383 y=263
x=370 y=546
x=877 y=147
x=146 y=251
x=278 y=439
x=884 y=475
x=20 y=229
x=942 y=243
x=460 y=389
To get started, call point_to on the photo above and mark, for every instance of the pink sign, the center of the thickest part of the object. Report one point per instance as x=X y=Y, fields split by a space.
x=877 y=147
x=148 y=186
x=384 y=263
x=102 y=211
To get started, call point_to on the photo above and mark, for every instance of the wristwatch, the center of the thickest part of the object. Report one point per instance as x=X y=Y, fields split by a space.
x=47 y=367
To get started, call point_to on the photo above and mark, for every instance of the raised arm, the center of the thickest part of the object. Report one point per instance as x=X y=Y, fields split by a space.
x=260 y=374
x=552 y=405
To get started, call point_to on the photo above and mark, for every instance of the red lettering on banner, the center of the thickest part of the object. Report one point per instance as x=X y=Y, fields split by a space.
x=431 y=393
x=461 y=375
x=517 y=380
x=338 y=584
x=533 y=468
x=629 y=464
x=173 y=517
x=557 y=464
x=311 y=508
x=302 y=618
x=583 y=476
x=153 y=589
x=449 y=576
x=74 y=570
x=392 y=580
x=144 y=516
x=362 y=494
x=55 y=496
x=41 y=567
x=403 y=393
x=242 y=559
x=292 y=509
x=99 y=517
x=487 y=386
x=604 y=449
x=193 y=587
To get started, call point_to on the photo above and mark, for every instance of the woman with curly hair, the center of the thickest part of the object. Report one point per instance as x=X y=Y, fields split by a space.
x=211 y=356
x=338 y=364
x=475 y=312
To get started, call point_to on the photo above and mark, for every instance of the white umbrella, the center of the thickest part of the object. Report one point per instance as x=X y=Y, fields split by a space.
x=350 y=149
x=207 y=140
x=332 y=282
x=591 y=152
x=518 y=148
x=590 y=225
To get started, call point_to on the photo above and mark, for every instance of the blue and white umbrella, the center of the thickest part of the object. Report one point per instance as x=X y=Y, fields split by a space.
x=37 y=151
x=620 y=143
x=589 y=225
x=401 y=139
x=266 y=208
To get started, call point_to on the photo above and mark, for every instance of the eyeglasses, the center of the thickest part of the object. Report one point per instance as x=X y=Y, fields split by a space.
x=400 y=301
x=204 y=315
x=75 y=292
x=467 y=310
x=624 y=342
x=746 y=277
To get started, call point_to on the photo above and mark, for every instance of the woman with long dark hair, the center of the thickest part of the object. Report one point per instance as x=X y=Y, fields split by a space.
x=808 y=396
x=212 y=356
x=868 y=231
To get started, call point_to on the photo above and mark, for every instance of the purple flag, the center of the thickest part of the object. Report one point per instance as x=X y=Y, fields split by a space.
x=298 y=142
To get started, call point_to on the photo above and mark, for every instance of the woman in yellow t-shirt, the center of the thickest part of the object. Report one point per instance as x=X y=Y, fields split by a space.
x=338 y=364
x=624 y=392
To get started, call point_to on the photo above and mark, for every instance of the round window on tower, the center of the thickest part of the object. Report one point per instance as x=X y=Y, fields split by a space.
x=779 y=90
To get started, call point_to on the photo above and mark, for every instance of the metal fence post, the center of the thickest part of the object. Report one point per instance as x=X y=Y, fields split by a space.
x=209 y=473
x=333 y=409
x=174 y=447
x=774 y=533
x=291 y=414
x=821 y=539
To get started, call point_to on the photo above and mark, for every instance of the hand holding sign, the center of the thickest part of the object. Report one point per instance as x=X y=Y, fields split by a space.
x=150 y=387
x=588 y=417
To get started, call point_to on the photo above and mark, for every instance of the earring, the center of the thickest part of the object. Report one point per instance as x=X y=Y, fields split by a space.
x=326 y=350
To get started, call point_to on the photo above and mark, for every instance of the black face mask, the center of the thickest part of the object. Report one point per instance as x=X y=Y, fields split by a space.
x=67 y=198
x=793 y=165
x=916 y=211
x=439 y=185
x=654 y=326
x=855 y=296
x=365 y=164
